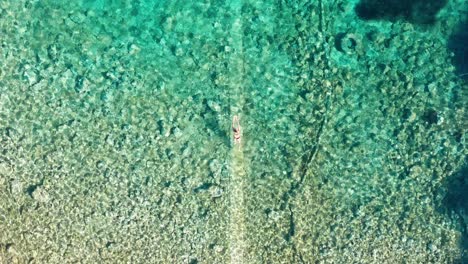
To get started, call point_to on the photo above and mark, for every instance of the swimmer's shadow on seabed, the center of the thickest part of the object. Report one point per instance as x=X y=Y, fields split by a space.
x=214 y=123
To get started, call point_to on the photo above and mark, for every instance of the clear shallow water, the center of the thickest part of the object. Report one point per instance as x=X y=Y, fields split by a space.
x=115 y=121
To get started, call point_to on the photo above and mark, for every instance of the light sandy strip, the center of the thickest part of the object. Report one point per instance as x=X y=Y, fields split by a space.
x=238 y=176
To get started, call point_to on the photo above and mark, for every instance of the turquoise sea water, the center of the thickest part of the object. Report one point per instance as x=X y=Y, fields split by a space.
x=116 y=141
